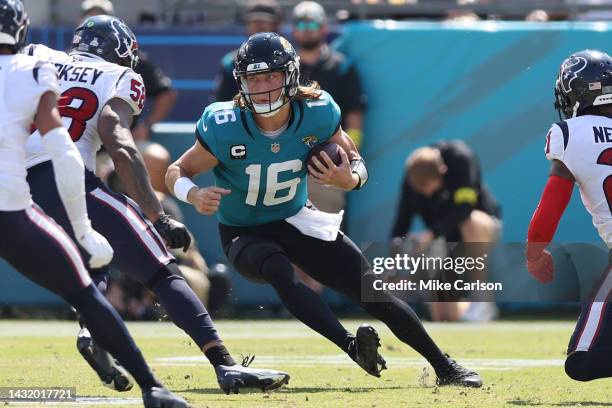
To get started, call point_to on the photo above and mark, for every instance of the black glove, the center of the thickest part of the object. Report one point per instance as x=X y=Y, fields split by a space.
x=174 y=233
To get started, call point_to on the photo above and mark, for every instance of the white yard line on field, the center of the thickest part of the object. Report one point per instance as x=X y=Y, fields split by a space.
x=81 y=401
x=496 y=364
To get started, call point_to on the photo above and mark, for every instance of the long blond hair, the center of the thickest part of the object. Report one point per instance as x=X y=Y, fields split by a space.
x=310 y=91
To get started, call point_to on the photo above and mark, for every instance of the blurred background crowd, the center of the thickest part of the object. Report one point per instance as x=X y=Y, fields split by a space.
x=220 y=14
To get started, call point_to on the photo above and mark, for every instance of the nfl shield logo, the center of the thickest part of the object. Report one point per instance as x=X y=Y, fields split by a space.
x=275 y=147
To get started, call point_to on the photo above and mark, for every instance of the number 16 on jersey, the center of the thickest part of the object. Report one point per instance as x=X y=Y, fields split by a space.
x=273 y=186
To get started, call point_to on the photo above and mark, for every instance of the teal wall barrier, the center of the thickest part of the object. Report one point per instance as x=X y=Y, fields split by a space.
x=490 y=84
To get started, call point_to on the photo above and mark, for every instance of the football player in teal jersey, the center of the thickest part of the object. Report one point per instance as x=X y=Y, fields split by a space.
x=257 y=147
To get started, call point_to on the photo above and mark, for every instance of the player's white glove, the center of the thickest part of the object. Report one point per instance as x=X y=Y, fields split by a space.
x=96 y=245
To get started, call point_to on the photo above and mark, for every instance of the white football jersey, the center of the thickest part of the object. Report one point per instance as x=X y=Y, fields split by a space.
x=584 y=145
x=23 y=80
x=87 y=83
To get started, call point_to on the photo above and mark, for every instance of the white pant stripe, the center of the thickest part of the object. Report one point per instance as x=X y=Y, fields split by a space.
x=152 y=229
x=52 y=230
x=595 y=315
x=137 y=224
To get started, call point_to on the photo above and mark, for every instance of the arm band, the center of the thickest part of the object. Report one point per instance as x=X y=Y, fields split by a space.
x=359 y=168
x=182 y=187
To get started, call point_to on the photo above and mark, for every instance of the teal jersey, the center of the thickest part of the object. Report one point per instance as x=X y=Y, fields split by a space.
x=267 y=176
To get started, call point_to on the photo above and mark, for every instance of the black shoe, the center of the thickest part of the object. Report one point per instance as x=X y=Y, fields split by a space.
x=454 y=374
x=159 y=397
x=111 y=373
x=363 y=349
x=233 y=378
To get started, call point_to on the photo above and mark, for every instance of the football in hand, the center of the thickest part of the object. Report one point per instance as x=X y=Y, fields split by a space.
x=331 y=149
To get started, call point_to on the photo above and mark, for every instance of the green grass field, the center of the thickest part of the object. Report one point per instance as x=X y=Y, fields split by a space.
x=521 y=362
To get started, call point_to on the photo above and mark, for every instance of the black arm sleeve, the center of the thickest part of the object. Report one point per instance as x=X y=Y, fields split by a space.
x=463 y=181
x=353 y=98
x=405 y=211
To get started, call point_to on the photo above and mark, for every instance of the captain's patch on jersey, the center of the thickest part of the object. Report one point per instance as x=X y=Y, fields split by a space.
x=238 y=152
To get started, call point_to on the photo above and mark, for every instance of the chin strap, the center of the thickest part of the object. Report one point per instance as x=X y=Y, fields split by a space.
x=576 y=106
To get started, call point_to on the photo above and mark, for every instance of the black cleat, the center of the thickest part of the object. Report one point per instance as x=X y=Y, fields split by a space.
x=233 y=378
x=364 y=350
x=111 y=373
x=159 y=397
x=455 y=374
